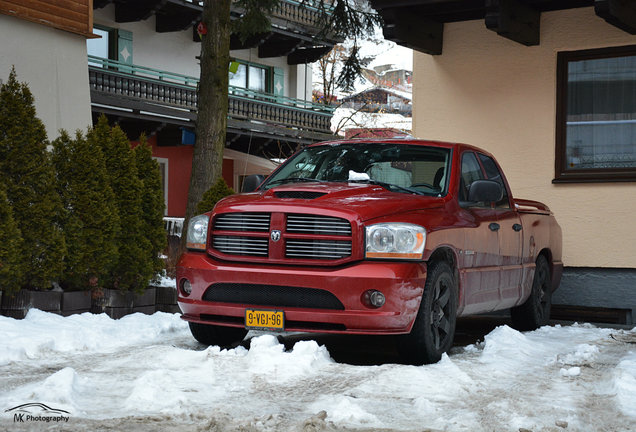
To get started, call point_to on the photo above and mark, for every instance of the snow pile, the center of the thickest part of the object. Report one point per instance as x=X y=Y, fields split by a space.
x=149 y=367
x=42 y=334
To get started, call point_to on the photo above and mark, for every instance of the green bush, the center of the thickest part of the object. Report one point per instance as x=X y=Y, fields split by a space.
x=11 y=266
x=152 y=204
x=28 y=174
x=133 y=269
x=91 y=220
x=216 y=193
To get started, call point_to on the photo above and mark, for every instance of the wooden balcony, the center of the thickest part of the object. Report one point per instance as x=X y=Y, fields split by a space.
x=296 y=26
x=148 y=100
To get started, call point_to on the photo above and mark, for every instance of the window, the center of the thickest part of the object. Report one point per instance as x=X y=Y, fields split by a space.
x=114 y=44
x=494 y=174
x=251 y=76
x=596 y=115
x=471 y=171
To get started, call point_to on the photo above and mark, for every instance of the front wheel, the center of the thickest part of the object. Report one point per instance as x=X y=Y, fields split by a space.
x=209 y=334
x=434 y=328
x=535 y=312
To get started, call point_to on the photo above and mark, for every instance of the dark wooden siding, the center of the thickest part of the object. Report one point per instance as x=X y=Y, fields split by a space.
x=75 y=16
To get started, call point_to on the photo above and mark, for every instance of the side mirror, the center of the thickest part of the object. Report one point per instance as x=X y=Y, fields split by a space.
x=252 y=182
x=485 y=191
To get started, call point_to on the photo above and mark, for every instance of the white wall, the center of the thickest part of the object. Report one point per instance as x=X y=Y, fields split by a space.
x=497 y=94
x=177 y=52
x=53 y=63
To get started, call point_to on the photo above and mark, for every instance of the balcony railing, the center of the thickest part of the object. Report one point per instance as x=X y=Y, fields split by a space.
x=307 y=12
x=172 y=94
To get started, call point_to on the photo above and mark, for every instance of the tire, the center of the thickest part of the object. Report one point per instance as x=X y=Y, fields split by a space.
x=434 y=328
x=535 y=312
x=216 y=335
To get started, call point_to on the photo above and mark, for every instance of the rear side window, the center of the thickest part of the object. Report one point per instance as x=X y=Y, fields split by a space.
x=494 y=174
x=471 y=171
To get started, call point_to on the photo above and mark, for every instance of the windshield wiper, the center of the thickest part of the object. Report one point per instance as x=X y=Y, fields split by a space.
x=389 y=186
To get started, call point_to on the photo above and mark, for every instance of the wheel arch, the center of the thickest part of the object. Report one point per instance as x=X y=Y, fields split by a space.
x=448 y=255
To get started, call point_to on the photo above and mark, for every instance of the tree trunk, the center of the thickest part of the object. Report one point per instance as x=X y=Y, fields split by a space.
x=211 y=124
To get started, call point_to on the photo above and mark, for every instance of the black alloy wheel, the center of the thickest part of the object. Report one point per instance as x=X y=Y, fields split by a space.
x=434 y=328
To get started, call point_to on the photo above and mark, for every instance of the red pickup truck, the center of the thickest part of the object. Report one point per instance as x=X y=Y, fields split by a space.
x=395 y=237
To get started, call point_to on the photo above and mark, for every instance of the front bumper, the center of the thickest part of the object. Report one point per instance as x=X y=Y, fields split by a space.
x=402 y=284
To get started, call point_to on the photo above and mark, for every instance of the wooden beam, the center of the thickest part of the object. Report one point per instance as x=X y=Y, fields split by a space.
x=619 y=13
x=175 y=22
x=407 y=29
x=307 y=55
x=514 y=20
x=139 y=10
x=277 y=47
x=251 y=42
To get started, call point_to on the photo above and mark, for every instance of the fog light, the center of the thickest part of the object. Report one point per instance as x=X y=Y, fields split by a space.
x=186 y=287
x=374 y=298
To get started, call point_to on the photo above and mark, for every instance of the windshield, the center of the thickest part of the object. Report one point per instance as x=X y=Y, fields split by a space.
x=398 y=167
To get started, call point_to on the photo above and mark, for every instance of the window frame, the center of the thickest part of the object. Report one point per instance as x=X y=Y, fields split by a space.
x=591 y=175
x=269 y=75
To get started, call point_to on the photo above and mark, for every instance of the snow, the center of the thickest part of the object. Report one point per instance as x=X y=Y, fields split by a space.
x=346 y=118
x=149 y=371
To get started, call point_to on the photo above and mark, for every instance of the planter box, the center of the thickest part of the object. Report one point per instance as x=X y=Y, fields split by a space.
x=74 y=302
x=148 y=310
x=18 y=305
x=166 y=295
x=148 y=298
x=172 y=308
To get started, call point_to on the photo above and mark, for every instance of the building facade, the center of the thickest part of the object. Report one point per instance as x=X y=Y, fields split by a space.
x=549 y=88
x=136 y=62
x=47 y=48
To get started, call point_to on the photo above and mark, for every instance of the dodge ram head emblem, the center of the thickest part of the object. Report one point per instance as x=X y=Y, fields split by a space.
x=275 y=235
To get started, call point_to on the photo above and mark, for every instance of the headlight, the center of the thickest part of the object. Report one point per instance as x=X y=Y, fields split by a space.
x=197 y=232
x=395 y=240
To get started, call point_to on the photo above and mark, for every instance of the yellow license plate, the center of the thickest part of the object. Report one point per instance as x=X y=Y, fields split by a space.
x=264 y=319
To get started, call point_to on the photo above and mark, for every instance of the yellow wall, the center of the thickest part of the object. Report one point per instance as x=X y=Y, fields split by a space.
x=499 y=95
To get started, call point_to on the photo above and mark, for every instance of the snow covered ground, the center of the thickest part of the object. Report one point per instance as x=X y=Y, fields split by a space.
x=147 y=373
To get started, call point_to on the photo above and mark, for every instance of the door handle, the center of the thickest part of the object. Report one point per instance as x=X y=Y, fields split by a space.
x=494 y=226
x=517 y=227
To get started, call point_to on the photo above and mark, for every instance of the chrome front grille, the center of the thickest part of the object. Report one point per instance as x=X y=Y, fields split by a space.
x=322 y=225
x=257 y=222
x=317 y=249
x=234 y=245
x=300 y=237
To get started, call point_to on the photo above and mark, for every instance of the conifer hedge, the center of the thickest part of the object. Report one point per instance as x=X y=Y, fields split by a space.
x=91 y=220
x=152 y=204
x=29 y=178
x=92 y=193
x=11 y=265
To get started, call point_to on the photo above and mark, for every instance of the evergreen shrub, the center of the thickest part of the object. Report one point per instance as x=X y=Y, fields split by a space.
x=29 y=178
x=216 y=193
x=90 y=219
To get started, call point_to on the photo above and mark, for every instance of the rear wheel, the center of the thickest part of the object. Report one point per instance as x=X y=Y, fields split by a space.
x=535 y=312
x=434 y=328
x=216 y=335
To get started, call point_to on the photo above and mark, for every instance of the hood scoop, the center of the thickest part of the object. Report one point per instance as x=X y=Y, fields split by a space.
x=297 y=194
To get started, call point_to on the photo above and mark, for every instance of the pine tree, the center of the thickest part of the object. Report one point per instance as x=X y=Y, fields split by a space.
x=11 y=266
x=216 y=193
x=91 y=221
x=152 y=203
x=29 y=177
x=133 y=269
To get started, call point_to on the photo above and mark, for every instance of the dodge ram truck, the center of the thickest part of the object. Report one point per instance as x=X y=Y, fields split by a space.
x=374 y=237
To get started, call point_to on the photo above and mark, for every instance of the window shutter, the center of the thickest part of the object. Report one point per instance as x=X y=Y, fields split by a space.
x=278 y=86
x=125 y=46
